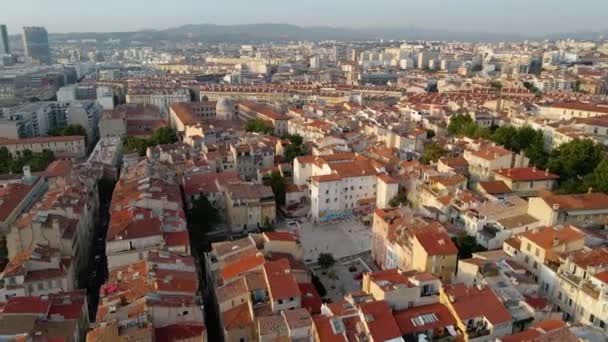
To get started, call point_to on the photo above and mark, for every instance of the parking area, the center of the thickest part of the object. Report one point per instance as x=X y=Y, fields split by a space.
x=342 y=239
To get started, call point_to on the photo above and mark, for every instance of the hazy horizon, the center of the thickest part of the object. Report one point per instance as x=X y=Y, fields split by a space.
x=525 y=17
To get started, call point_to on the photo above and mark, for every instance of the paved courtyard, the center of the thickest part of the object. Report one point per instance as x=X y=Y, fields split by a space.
x=342 y=239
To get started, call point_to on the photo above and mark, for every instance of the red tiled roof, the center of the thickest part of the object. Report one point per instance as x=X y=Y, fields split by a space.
x=310 y=298
x=441 y=312
x=281 y=236
x=436 y=242
x=243 y=265
x=179 y=332
x=495 y=187
x=471 y=302
x=589 y=201
x=380 y=321
x=10 y=197
x=237 y=317
x=27 y=305
x=326 y=332
x=281 y=282
x=547 y=237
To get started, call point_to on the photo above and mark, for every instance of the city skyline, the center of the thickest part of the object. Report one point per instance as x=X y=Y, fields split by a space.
x=513 y=17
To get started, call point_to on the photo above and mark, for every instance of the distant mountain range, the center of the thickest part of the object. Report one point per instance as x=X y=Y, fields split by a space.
x=287 y=32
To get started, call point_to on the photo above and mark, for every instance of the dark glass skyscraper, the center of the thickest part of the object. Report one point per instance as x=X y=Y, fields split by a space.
x=4 y=48
x=36 y=44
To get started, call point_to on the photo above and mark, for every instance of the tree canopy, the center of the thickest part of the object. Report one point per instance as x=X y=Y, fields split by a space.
x=326 y=260
x=258 y=125
x=14 y=163
x=432 y=153
x=279 y=186
x=163 y=135
x=295 y=148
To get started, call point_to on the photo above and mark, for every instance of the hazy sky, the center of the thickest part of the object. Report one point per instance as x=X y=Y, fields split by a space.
x=504 y=16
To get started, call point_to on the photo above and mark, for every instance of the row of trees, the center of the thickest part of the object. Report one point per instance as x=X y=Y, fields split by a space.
x=163 y=135
x=580 y=163
x=10 y=163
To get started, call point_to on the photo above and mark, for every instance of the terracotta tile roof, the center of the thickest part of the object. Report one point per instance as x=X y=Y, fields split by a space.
x=58 y=168
x=27 y=305
x=406 y=318
x=436 y=242
x=471 y=302
x=207 y=182
x=326 y=333
x=495 y=187
x=310 y=298
x=238 y=317
x=272 y=325
x=548 y=237
x=297 y=318
x=11 y=196
x=526 y=174
x=380 y=321
x=590 y=257
x=232 y=290
x=281 y=236
x=589 y=201
x=180 y=331
x=387 y=179
x=281 y=282
x=246 y=264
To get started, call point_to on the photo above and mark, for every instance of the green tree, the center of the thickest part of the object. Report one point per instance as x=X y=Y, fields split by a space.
x=258 y=125
x=295 y=148
x=396 y=201
x=279 y=186
x=326 y=260
x=575 y=159
x=458 y=123
x=135 y=144
x=536 y=150
x=432 y=153
x=506 y=136
x=162 y=136
x=600 y=176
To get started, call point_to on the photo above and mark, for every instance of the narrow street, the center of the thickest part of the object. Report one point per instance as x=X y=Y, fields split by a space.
x=96 y=271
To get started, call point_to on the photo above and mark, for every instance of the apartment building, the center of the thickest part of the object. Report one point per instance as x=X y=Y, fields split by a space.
x=146 y=214
x=162 y=98
x=251 y=110
x=526 y=181
x=543 y=246
x=341 y=184
x=73 y=147
x=148 y=298
x=578 y=209
x=409 y=242
x=36 y=271
x=480 y=315
x=249 y=205
x=62 y=316
x=581 y=292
